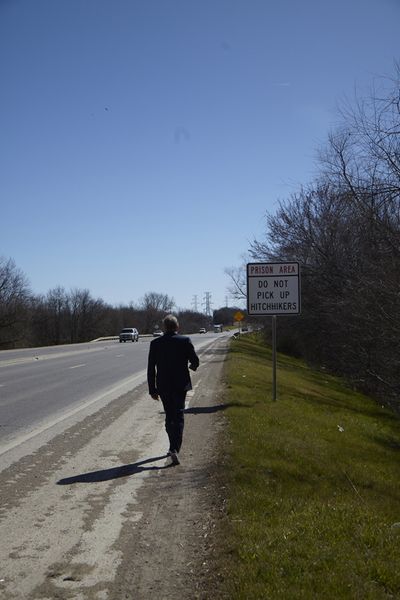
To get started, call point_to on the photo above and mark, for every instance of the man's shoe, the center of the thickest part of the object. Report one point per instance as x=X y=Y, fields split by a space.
x=174 y=457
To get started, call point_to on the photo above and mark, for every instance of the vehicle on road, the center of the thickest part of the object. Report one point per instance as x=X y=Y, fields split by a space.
x=157 y=333
x=202 y=330
x=129 y=334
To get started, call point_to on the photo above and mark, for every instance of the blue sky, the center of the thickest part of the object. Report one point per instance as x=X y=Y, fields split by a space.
x=142 y=142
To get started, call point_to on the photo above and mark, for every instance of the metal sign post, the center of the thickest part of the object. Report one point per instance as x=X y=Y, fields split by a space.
x=274 y=358
x=273 y=289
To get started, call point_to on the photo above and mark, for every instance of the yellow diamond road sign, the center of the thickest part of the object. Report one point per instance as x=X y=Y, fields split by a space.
x=238 y=316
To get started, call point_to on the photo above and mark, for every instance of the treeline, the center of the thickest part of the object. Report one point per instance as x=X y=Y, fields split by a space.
x=344 y=229
x=63 y=317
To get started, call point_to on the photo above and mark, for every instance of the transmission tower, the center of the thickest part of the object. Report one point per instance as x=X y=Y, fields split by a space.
x=194 y=303
x=207 y=303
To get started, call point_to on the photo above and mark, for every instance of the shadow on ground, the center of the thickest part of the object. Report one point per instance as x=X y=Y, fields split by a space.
x=116 y=472
x=198 y=410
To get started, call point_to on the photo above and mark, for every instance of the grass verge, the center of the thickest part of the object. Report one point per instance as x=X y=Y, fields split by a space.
x=313 y=485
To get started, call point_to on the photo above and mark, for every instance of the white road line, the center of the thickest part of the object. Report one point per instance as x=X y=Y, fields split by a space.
x=77 y=366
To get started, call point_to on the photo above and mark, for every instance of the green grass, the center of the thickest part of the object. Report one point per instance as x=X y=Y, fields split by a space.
x=313 y=480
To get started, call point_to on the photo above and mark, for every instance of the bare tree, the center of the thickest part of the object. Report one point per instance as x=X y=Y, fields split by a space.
x=14 y=302
x=362 y=158
x=237 y=287
x=57 y=315
x=155 y=306
x=158 y=302
x=86 y=315
x=345 y=231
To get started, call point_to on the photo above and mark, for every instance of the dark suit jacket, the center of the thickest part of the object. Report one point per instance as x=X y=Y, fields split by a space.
x=167 y=369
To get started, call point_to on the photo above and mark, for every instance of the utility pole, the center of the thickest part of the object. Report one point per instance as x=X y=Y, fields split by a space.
x=194 y=303
x=207 y=303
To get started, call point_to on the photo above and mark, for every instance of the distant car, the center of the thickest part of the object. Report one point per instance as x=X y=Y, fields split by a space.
x=202 y=330
x=157 y=333
x=129 y=334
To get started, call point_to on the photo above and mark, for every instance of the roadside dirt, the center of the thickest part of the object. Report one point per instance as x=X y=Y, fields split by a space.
x=171 y=552
x=99 y=513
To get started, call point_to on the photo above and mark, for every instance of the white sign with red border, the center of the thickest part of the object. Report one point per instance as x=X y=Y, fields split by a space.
x=273 y=288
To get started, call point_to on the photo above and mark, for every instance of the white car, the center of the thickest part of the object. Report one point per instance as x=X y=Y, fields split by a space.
x=202 y=330
x=129 y=334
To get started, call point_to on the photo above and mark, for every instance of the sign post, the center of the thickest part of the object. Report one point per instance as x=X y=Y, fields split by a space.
x=274 y=358
x=238 y=317
x=273 y=289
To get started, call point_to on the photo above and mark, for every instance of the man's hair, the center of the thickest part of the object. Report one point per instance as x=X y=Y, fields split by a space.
x=170 y=323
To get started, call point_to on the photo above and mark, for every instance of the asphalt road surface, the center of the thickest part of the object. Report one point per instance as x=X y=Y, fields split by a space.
x=40 y=387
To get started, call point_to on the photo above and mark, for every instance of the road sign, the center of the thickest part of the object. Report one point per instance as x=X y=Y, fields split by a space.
x=273 y=288
x=238 y=316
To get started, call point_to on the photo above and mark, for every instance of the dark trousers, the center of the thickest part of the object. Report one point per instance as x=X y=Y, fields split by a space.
x=174 y=405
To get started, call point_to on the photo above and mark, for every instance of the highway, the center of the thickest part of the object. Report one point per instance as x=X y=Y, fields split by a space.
x=41 y=387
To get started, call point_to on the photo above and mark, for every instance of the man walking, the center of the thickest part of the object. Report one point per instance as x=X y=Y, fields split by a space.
x=168 y=378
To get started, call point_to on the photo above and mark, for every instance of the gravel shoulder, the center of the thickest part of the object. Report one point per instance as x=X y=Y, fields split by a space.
x=169 y=552
x=99 y=513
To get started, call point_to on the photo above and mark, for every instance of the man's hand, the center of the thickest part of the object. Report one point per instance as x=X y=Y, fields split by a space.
x=155 y=396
